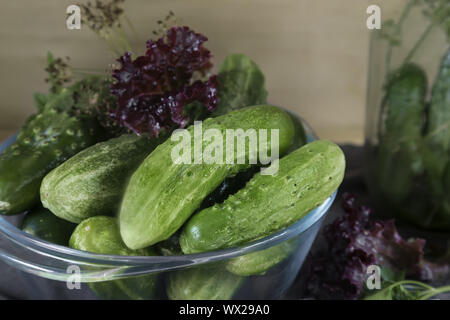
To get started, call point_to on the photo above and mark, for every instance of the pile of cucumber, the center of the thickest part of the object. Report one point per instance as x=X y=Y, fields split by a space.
x=125 y=196
x=412 y=169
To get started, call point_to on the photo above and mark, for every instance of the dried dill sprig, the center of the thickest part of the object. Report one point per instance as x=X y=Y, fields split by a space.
x=101 y=17
x=169 y=21
x=59 y=72
x=106 y=18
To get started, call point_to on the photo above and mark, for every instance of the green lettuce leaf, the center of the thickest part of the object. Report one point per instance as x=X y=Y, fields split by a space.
x=241 y=84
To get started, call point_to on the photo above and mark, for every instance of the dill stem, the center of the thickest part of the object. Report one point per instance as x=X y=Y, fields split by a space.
x=131 y=26
x=398 y=30
x=419 y=42
x=433 y=292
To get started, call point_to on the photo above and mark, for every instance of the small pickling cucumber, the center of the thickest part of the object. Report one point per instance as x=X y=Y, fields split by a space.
x=101 y=235
x=92 y=182
x=446 y=204
x=438 y=128
x=43 y=224
x=436 y=149
x=163 y=192
x=46 y=140
x=267 y=204
x=233 y=184
x=259 y=262
x=202 y=283
x=60 y=129
x=404 y=104
x=399 y=159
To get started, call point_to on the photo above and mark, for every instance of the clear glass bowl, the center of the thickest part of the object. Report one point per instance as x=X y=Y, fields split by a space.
x=201 y=276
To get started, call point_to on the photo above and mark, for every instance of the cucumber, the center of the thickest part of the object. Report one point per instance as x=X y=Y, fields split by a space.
x=404 y=101
x=438 y=129
x=162 y=194
x=241 y=84
x=46 y=140
x=436 y=150
x=233 y=184
x=267 y=204
x=446 y=203
x=202 y=283
x=92 y=182
x=259 y=262
x=43 y=224
x=398 y=160
x=101 y=234
x=60 y=129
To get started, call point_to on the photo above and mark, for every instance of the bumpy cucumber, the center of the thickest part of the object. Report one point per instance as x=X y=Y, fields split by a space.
x=398 y=159
x=436 y=150
x=258 y=263
x=241 y=84
x=438 y=128
x=446 y=203
x=202 y=283
x=46 y=140
x=60 y=129
x=43 y=224
x=162 y=194
x=101 y=235
x=267 y=204
x=92 y=182
x=404 y=101
x=233 y=184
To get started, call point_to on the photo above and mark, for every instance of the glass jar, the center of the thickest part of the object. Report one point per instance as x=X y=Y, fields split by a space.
x=407 y=145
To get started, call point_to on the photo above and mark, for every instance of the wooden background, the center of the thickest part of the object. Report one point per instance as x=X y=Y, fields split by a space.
x=313 y=52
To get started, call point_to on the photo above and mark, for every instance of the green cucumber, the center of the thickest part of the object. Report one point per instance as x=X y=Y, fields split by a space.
x=438 y=128
x=60 y=129
x=101 y=235
x=259 y=262
x=267 y=204
x=92 y=182
x=43 y=224
x=162 y=194
x=241 y=84
x=436 y=149
x=46 y=140
x=202 y=283
x=398 y=160
x=233 y=184
x=446 y=203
